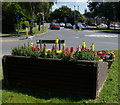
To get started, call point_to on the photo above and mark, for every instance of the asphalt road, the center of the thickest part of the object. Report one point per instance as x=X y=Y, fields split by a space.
x=102 y=41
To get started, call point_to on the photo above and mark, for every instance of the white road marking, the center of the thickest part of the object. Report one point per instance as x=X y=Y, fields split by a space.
x=103 y=35
x=76 y=37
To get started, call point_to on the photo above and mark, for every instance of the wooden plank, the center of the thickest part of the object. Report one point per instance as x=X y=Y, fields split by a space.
x=49 y=41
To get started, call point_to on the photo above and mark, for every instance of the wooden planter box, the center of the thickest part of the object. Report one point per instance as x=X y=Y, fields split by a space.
x=83 y=78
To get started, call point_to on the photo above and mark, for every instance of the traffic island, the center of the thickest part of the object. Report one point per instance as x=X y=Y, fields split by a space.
x=63 y=72
x=78 y=78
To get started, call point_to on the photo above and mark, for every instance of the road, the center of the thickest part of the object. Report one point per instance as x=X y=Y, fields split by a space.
x=73 y=38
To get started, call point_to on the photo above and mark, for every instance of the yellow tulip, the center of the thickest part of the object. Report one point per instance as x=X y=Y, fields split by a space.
x=59 y=51
x=63 y=45
x=83 y=44
x=93 y=47
x=56 y=41
x=48 y=50
x=37 y=41
x=31 y=44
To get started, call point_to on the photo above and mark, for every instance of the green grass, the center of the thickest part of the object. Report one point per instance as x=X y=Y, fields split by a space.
x=104 y=30
x=109 y=92
x=35 y=31
x=112 y=31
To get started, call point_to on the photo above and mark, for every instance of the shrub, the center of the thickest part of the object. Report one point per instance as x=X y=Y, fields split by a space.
x=93 y=24
x=24 y=24
x=35 y=24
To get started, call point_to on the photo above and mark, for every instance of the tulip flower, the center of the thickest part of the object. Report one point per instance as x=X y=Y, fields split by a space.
x=22 y=47
x=71 y=49
x=56 y=41
x=78 y=48
x=60 y=51
x=65 y=55
x=44 y=47
x=48 y=50
x=53 y=47
x=63 y=45
x=93 y=47
x=31 y=44
x=32 y=48
x=66 y=49
x=83 y=44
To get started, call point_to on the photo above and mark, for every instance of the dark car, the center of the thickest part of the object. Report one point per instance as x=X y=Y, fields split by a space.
x=68 y=25
x=79 y=25
x=54 y=26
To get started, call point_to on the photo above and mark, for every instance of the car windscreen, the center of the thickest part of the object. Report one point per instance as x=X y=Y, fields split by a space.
x=56 y=24
x=68 y=24
x=79 y=24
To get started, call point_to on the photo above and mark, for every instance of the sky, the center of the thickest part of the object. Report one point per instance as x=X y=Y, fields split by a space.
x=70 y=3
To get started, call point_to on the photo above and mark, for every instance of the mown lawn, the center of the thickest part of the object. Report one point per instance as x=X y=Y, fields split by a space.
x=35 y=31
x=105 y=30
x=109 y=92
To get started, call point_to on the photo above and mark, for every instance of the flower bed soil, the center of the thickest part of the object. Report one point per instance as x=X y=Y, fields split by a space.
x=83 y=78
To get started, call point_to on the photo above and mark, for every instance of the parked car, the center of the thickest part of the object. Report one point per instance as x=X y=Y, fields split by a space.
x=62 y=24
x=84 y=24
x=102 y=26
x=114 y=25
x=54 y=26
x=79 y=25
x=68 y=25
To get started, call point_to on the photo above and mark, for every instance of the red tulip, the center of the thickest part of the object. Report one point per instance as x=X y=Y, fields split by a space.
x=71 y=49
x=53 y=46
x=44 y=45
x=66 y=49
x=22 y=46
x=21 y=49
x=65 y=54
x=68 y=52
x=37 y=46
x=78 y=48
x=32 y=48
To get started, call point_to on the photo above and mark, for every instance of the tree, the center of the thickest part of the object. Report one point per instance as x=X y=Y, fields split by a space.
x=25 y=10
x=109 y=10
x=65 y=14
x=8 y=16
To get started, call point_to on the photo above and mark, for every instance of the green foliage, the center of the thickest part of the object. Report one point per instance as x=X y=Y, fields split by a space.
x=8 y=16
x=35 y=24
x=25 y=51
x=67 y=54
x=110 y=10
x=85 y=54
x=24 y=10
x=24 y=24
x=93 y=24
x=65 y=12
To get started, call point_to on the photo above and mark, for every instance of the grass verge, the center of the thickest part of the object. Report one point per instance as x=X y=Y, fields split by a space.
x=35 y=31
x=105 y=30
x=109 y=92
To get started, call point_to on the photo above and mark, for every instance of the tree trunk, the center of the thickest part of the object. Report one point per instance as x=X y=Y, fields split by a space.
x=108 y=23
x=31 y=30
